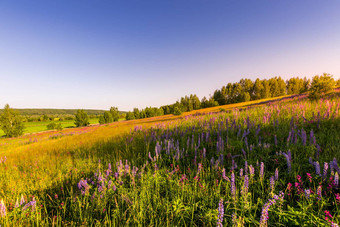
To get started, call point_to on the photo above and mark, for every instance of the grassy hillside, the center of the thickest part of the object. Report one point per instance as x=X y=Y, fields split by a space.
x=258 y=163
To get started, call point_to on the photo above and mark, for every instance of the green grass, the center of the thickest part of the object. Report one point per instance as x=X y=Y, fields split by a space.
x=178 y=170
x=33 y=127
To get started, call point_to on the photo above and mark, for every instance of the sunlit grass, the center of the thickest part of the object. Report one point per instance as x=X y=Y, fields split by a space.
x=170 y=191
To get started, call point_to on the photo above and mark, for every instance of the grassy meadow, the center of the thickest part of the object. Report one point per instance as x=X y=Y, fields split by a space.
x=260 y=163
x=40 y=126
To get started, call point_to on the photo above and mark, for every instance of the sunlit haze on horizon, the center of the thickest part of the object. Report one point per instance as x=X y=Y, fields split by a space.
x=98 y=54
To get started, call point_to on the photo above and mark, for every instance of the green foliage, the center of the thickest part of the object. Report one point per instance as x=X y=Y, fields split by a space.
x=130 y=116
x=101 y=119
x=338 y=83
x=11 y=122
x=177 y=111
x=321 y=85
x=115 y=113
x=208 y=103
x=81 y=118
x=54 y=125
x=108 y=117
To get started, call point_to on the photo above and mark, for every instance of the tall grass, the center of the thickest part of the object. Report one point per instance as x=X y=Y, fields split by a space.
x=257 y=165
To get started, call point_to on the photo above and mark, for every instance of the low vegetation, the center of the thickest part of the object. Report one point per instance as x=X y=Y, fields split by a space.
x=259 y=163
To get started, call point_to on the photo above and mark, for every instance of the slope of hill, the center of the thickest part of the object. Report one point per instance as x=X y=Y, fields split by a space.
x=270 y=162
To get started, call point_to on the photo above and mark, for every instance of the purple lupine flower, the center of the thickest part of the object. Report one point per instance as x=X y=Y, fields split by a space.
x=224 y=176
x=304 y=137
x=22 y=200
x=245 y=185
x=134 y=171
x=264 y=214
x=114 y=188
x=289 y=135
x=232 y=185
x=220 y=159
x=331 y=167
x=109 y=184
x=262 y=170
x=31 y=204
x=200 y=167
x=336 y=180
x=251 y=170
x=244 y=154
x=150 y=157
x=204 y=152
x=276 y=174
x=319 y=192
x=289 y=167
x=272 y=183
x=258 y=130
x=2 y=209
x=212 y=161
x=266 y=206
x=307 y=193
x=260 y=141
x=220 y=214
x=325 y=170
x=312 y=137
x=310 y=160
x=317 y=168
x=241 y=172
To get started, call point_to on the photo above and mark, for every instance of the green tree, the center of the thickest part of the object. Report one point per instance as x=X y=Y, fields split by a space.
x=130 y=116
x=177 y=111
x=258 y=89
x=11 y=122
x=338 y=83
x=108 y=117
x=266 y=89
x=115 y=113
x=54 y=125
x=101 y=119
x=81 y=118
x=321 y=85
x=281 y=86
x=136 y=113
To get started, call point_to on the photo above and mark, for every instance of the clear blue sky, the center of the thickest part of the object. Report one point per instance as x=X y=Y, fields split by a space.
x=138 y=53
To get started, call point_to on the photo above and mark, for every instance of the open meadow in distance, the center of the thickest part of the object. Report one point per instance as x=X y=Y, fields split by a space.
x=40 y=126
x=257 y=163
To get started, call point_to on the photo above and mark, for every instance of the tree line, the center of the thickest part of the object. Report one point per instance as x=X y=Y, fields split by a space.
x=243 y=91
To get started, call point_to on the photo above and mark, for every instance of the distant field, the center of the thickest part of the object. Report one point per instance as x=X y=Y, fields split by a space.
x=32 y=127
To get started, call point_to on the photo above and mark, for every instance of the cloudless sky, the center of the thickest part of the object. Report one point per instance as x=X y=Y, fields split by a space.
x=138 y=53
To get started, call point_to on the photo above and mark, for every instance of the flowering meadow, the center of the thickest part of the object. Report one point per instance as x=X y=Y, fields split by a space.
x=274 y=164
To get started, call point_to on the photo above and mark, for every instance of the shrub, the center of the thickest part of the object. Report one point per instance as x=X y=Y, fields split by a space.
x=11 y=122
x=81 y=118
